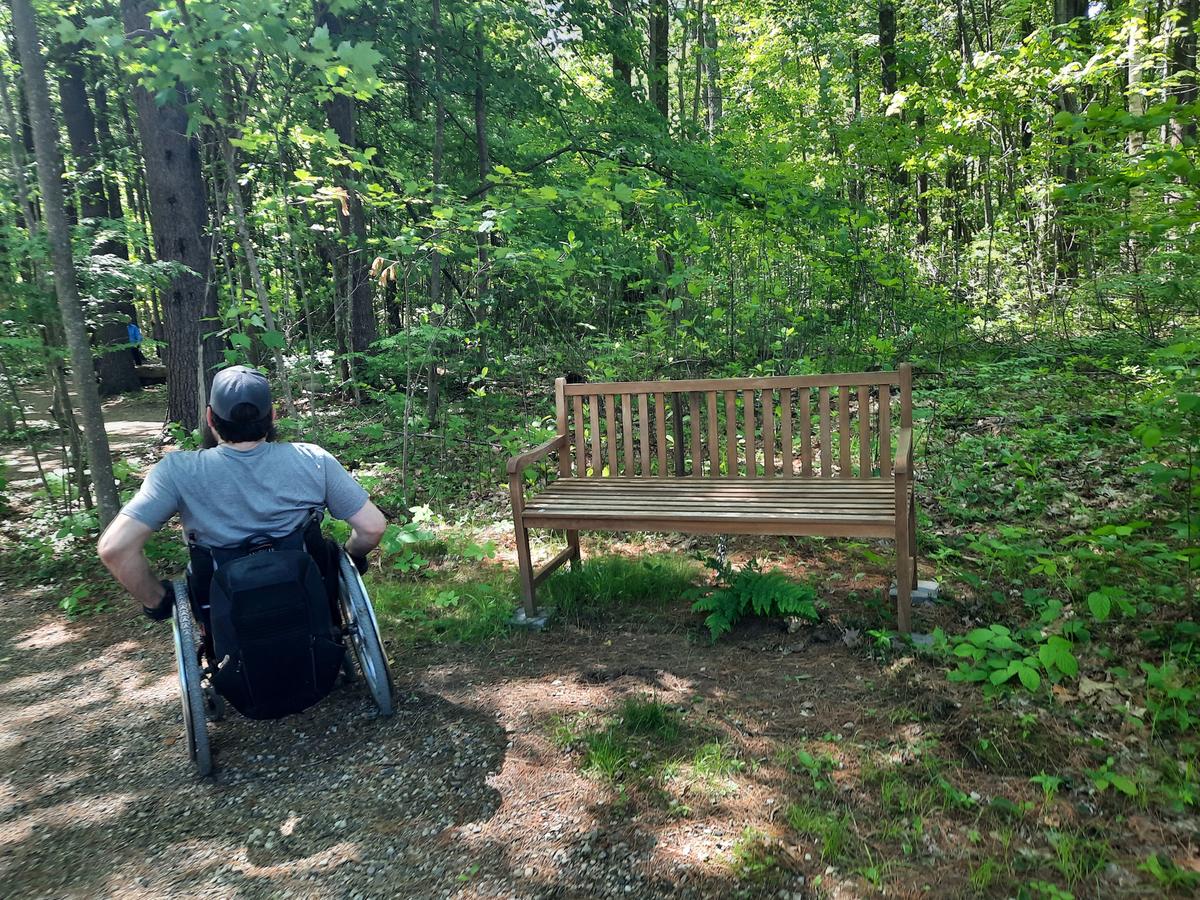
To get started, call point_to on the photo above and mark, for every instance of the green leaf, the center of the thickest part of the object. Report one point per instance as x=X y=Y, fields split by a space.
x=1151 y=437
x=273 y=339
x=1029 y=678
x=1123 y=783
x=1100 y=605
x=239 y=340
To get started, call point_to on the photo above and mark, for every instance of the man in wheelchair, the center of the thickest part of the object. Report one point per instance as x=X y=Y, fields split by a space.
x=262 y=580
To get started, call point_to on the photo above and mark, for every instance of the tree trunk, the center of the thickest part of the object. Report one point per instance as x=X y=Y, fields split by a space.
x=412 y=64
x=340 y=111
x=1183 y=67
x=660 y=48
x=435 y=258
x=887 y=47
x=179 y=219
x=482 y=239
x=256 y=281
x=114 y=362
x=621 y=66
x=49 y=160
x=712 y=67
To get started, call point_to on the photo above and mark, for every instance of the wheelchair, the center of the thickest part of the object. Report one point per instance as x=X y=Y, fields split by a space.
x=200 y=698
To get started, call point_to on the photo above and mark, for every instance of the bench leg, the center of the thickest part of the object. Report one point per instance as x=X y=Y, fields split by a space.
x=912 y=538
x=904 y=573
x=525 y=567
x=573 y=543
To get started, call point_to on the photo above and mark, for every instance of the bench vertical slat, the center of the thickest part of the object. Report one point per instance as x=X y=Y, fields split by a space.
x=695 y=432
x=660 y=432
x=714 y=442
x=627 y=430
x=751 y=449
x=644 y=432
x=844 y=438
x=864 y=431
x=562 y=425
x=731 y=441
x=610 y=417
x=826 y=449
x=768 y=432
x=594 y=415
x=580 y=439
x=680 y=449
x=806 y=450
x=885 y=430
x=785 y=431
x=906 y=407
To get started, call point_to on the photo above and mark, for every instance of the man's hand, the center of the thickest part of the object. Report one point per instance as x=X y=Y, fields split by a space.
x=165 y=605
x=366 y=531
x=360 y=562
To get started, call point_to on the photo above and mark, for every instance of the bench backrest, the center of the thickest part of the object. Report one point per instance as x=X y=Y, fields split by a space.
x=795 y=426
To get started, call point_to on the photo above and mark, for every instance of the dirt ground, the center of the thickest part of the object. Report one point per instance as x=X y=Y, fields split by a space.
x=484 y=783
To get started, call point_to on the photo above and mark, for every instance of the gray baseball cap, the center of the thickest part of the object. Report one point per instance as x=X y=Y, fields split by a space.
x=239 y=384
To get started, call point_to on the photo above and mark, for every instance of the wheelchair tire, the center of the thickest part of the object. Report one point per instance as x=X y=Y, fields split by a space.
x=191 y=694
x=362 y=630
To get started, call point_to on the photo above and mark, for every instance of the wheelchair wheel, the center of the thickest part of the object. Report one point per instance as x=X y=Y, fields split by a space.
x=191 y=694
x=363 y=632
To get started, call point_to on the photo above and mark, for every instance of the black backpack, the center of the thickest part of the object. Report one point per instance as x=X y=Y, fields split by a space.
x=275 y=646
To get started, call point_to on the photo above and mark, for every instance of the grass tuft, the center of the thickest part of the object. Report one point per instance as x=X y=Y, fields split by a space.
x=610 y=584
x=647 y=716
x=832 y=832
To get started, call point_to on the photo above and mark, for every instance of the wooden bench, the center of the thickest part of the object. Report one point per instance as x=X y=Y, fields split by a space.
x=814 y=455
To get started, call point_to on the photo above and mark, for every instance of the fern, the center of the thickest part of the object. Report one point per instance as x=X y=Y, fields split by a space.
x=749 y=590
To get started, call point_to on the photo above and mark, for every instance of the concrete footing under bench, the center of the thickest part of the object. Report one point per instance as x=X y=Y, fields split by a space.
x=924 y=592
x=533 y=623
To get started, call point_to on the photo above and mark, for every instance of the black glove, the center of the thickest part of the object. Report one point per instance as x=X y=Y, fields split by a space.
x=360 y=562
x=163 y=610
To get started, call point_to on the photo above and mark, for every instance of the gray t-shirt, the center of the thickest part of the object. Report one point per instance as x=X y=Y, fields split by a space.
x=224 y=496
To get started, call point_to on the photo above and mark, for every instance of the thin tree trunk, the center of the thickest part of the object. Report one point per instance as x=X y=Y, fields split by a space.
x=1182 y=66
x=621 y=66
x=49 y=160
x=660 y=48
x=482 y=239
x=340 y=111
x=435 y=258
x=712 y=68
x=256 y=281
x=114 y=362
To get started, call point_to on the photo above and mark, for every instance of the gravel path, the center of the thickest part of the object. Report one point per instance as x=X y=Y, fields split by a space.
x=97 y=799
x=457 y=795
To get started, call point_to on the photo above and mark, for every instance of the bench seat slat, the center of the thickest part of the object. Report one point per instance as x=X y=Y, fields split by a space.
x=867 y=503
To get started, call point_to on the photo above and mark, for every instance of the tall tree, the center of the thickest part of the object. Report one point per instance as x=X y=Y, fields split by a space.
x=113 y=362
x=435 y=256
x=179 y=220
x=58 y=231
x=341 y=112
x=1183 y=68
x=660 y=54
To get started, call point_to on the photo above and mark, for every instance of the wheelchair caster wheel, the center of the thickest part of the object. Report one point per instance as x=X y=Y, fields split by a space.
x=214 y=704
x=349 y=676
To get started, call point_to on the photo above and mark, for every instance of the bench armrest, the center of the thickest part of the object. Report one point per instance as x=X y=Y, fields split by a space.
x=904 y=453
x=522 y=460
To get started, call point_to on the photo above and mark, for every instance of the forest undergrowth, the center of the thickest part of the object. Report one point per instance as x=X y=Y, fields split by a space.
x=1037 y=738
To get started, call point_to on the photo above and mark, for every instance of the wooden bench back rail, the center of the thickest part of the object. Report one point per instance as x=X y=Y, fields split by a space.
x=826 y=426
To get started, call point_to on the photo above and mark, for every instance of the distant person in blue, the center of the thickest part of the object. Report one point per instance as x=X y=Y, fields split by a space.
x=135 y=338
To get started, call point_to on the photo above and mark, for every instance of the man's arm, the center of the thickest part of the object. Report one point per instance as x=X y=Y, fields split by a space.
x=366 y=530
x=121 y=551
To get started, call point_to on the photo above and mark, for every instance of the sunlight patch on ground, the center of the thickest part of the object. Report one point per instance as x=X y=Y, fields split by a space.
x=71 y=814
